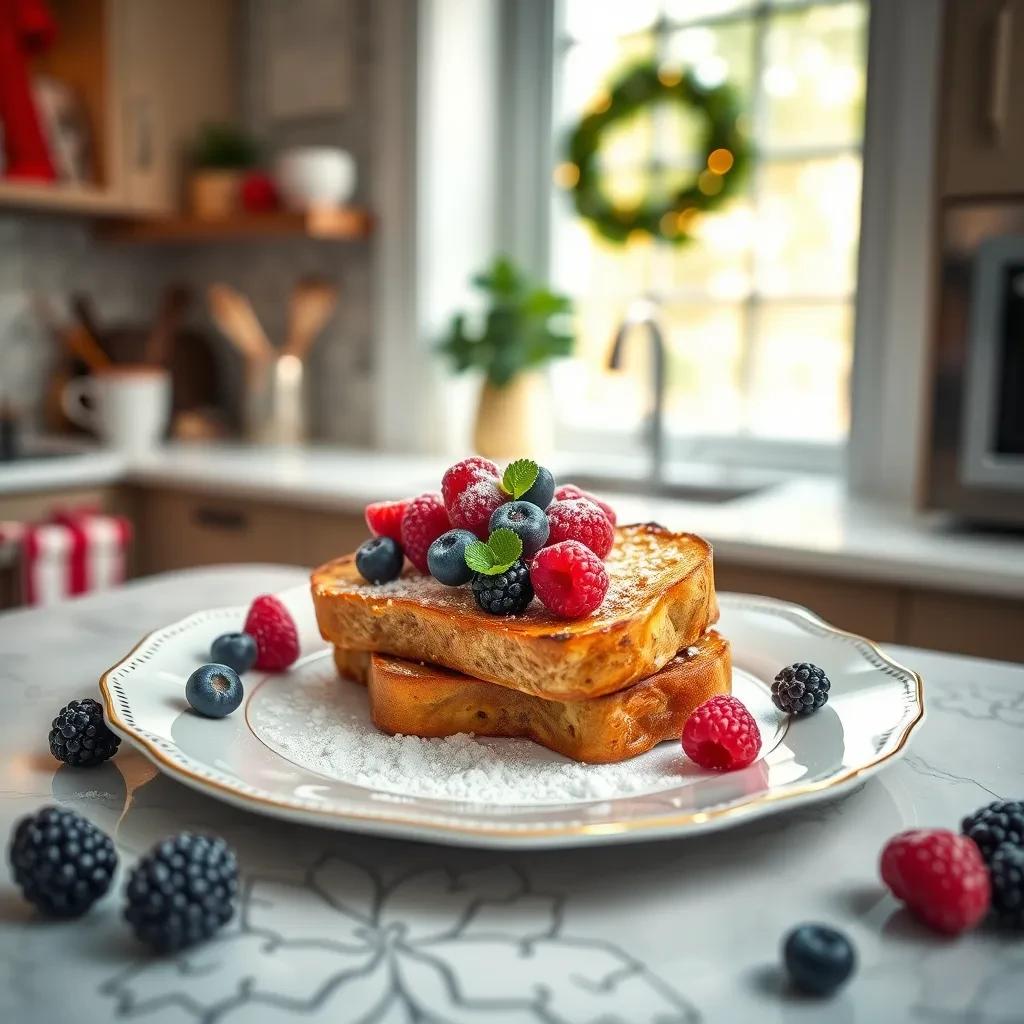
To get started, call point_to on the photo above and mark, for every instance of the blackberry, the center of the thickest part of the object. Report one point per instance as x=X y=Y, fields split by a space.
x=80 y=737
x=62 y=862
x=998 y=823
x=800 y=689
x=182 y=892
x=1006 y=869
x=505 y=594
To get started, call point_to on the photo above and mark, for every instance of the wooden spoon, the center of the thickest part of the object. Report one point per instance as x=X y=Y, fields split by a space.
x=312 y=303
x=168 y=320
x=234 y=315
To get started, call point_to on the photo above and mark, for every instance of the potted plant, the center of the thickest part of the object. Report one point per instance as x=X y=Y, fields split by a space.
x=525 y=326
x=221 y=156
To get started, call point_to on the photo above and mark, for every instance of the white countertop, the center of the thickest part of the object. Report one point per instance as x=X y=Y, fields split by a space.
x=338 y=927
x=807 y=523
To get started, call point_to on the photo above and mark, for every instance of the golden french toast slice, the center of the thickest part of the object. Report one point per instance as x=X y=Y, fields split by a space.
x=661 y=598
x=424 y=700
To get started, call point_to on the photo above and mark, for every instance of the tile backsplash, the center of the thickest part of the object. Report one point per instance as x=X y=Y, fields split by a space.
x=57 y=256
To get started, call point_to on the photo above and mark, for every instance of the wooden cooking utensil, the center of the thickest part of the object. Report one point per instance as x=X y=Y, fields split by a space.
x=233 y=314
x=312 y=302
x=161 y=338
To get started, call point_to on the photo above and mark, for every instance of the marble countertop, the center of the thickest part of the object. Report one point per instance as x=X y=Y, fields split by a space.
x=807 y=523
x=337 y=927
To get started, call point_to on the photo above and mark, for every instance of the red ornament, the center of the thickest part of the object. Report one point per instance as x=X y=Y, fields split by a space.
x=26 y=27
x=259 y=193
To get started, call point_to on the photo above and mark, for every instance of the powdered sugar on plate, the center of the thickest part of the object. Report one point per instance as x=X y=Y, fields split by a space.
x=322 y=723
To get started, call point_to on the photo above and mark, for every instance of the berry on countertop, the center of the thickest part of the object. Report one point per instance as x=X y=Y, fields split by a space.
x=721 y=735
x=580 y=519
x=939 y=875
x=424 y=521
x=526 y=520
x=446 y=558
x=1007 y=873
x=542 y=492
x=384 y=518
x=800 y=689
x=236 y=650
x=472 y=508
x=79 y=736
x=508 y=593
x=996 y=823
x=567 y=492
x=464 y=473
x=182 y=892
x=569 y=579
x=273 y=629
x=818 y=959
x=379 y=560
x=62 y=862
x=214 y=691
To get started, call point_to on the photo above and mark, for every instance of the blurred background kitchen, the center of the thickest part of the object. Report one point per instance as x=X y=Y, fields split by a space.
x=754 y=268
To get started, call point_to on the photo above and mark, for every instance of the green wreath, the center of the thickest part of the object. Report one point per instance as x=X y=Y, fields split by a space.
x=723 y=140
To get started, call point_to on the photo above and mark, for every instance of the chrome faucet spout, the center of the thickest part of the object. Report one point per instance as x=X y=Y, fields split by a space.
x=644 y=313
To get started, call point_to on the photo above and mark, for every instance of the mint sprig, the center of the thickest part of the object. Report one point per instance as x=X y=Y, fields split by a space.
x=519 y=477
x=500 y=553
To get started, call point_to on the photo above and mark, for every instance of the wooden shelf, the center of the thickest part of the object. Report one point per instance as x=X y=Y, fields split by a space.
x=88 y=200
x=342 y=224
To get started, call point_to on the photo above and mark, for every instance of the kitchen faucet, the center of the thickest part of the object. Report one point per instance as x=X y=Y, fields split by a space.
x=644 y=312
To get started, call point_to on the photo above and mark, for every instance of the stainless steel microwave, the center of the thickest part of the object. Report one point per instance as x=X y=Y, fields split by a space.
x=976 y=463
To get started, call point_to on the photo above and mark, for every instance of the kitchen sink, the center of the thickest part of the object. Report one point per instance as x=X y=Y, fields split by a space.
x=698 y=483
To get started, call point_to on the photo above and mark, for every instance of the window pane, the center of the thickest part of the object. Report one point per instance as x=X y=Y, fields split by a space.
x=716 y=53
x=800 y=372
x=705 y=350
x=693 y=10
x=585 y=19
x=814 y=77
x=808 y=224
x=589 y=67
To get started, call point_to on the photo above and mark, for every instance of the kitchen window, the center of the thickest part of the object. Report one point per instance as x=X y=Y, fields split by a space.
x=757 y=311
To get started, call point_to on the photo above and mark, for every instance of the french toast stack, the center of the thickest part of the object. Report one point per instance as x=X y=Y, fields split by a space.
x=599 y=688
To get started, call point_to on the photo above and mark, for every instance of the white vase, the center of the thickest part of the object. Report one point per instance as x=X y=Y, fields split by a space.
x=515 y=421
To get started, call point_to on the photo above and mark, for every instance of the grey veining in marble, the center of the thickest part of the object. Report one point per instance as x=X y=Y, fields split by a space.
x=336 y=927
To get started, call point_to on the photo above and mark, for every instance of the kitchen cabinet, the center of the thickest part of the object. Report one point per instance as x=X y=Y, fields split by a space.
x=148 y=73
x=982 y=104
x=178 y=529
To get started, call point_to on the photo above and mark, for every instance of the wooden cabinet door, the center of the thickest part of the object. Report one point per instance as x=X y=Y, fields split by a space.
x=983 y=98
x=174 y=69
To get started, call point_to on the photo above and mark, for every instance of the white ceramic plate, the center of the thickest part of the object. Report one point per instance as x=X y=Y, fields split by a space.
x=302 y=746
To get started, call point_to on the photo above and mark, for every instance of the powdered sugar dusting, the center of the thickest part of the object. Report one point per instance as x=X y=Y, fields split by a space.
x=322 y=723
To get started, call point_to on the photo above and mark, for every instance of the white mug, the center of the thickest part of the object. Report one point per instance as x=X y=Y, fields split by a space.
x=128 y=407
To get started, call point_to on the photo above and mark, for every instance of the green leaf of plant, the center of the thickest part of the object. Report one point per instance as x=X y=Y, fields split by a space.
x=506 y=547
x=479 y=557
x=518 y=478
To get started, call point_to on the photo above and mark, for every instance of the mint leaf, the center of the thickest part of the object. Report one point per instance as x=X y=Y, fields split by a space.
x=500 y=552
x=506 y=547
x=519 y=477
x=479 y=558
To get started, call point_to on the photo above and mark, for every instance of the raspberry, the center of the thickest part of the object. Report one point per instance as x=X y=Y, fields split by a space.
x=473 y=508
x=580 y=519
x=273 y=629
x=464 y=473
x=569 y=579
x=569 y=491
x=384 y=518
x=721 y=735
x=424 y=521
x=940 y=875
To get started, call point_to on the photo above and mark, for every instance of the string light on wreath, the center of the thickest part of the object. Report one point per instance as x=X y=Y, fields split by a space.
x=722 y=137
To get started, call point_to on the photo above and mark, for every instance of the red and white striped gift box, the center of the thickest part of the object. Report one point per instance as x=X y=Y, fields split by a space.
x=76 y=552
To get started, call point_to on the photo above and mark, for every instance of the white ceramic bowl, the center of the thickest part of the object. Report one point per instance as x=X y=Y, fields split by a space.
x=311 y=176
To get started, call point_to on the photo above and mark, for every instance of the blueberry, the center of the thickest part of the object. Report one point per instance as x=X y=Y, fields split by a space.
x=446 y=558
x=379 y=560
x=236 y=650
x=214 y=690
x=818 y=958
x=528 y=521
x=543 y=490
